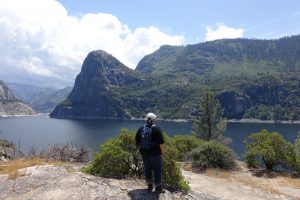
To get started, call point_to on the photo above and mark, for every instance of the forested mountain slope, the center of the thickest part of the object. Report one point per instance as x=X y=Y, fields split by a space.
x=251 y=78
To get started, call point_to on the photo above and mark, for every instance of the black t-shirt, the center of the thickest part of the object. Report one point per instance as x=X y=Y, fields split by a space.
x=156 y=137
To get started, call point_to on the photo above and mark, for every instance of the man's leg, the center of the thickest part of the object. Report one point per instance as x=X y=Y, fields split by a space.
x=148 y=171
x=157 y=167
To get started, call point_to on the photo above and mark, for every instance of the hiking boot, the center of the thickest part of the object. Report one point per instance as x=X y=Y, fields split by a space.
x=159 y=189
x=150 y=187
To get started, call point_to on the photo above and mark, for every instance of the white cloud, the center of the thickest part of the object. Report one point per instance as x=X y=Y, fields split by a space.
x=221 y=31
x=146 y=40
x=40 y=42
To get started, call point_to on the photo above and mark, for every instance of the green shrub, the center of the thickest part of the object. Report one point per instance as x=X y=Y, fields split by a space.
x=213 y=154
x=297 y=152
x=119 y=157
x=3 y=154
x=269 y=149
x=108 y=162
x=5 y=143
x=184 y=144
x=172 y=176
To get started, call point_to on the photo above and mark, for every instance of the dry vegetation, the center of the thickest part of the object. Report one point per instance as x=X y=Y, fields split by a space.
x=278 y=183
x=65 y=155
x=11 y=167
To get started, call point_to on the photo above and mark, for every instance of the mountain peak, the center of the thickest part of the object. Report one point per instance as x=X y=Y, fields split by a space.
x=101 y=73
x=99 y=60
x=106 y=69
x=99 y=53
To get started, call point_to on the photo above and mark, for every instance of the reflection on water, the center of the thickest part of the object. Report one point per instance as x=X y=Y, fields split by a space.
x=41 y=131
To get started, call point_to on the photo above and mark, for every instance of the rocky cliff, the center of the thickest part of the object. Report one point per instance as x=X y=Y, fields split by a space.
x=93 y=95
x=11 y=105
x=5 y=93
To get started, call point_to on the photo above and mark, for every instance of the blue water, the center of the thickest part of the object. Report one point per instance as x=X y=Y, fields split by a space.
x=40 y=132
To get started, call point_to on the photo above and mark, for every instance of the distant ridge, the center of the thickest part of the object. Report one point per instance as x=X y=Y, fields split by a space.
x=10 y=105
x=251 y=78
x=42 y=99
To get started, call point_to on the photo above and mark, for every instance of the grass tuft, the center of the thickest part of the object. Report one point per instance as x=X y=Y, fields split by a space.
x=11 y=167
x=217 y=173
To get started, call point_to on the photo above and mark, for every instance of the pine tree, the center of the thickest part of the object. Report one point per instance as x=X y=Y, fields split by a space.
x=209 y=123
x=297 y=150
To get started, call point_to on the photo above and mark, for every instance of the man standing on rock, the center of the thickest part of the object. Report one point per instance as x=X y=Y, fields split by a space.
x=149 y=139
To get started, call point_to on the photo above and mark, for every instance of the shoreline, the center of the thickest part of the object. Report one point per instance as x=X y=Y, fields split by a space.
x=258 y=121
x=33 y=115
x=245 y=120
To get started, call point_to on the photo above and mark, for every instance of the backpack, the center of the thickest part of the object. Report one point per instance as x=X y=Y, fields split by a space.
x=146 y=138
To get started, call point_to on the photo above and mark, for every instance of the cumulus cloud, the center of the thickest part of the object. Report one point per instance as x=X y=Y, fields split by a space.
x=221 y=31
x=40 y=43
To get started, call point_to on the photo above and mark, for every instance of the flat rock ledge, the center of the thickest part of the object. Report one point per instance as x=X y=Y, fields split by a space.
x=57 y=182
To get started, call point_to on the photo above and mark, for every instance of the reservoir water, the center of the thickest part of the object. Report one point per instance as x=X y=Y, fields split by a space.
x=39 y=132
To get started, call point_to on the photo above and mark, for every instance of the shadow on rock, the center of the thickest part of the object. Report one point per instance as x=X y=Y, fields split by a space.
x=143 y=194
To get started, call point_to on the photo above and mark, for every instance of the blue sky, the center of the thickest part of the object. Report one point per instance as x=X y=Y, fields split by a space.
x=44 y=42
x=258 y=18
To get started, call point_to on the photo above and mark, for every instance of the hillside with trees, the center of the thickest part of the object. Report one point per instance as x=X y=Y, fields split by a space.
x=250 y=78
